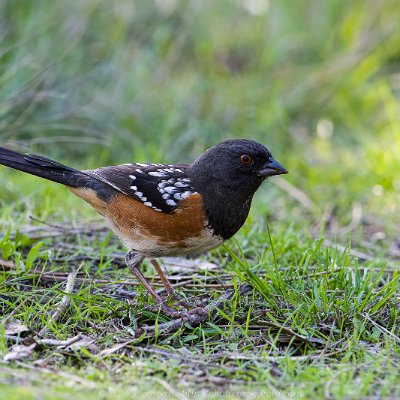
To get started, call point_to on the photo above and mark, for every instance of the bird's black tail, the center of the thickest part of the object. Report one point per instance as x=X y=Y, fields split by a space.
x=43 y=167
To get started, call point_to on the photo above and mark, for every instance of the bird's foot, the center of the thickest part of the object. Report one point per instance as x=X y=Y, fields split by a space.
x=187 y=314
x=175 y=299
x=180 y=301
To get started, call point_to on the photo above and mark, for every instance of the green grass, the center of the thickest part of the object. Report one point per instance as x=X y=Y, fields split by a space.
x=91 y=83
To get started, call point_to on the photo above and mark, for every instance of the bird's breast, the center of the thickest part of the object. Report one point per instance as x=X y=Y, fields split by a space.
x=153 y=233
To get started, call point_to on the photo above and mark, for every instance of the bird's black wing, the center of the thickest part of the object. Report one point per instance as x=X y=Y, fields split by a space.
x=159 y=186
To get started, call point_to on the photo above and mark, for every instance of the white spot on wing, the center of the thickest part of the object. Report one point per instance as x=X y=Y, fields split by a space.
x=187 y=194
x=170 y=189
x=181 y=184
x=158 y=174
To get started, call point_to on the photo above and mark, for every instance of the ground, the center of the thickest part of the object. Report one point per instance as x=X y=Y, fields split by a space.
x=303 y=302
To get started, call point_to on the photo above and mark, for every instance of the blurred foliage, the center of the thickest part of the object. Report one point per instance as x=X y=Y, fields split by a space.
x=94 y=81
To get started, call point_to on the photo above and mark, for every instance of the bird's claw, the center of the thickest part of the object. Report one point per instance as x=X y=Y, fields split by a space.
x=186 y=315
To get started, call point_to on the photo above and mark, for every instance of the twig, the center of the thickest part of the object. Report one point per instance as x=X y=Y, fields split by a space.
x=287 y=330
x=356 y=217
x=55 y=342
x=354 y=253
x=111 y=350
x=63 y=305
x=7 y=264
x=53 y=232
x=60 y=277
x=254 y=357
x=295 y=192
x=391 y=251
x=383 y=329
x=13 y=312
x=41 y=221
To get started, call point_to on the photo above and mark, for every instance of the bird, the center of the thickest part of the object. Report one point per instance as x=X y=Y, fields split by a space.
x=164 y=210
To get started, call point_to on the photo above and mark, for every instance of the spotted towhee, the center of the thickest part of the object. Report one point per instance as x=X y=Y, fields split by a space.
x=166 y=209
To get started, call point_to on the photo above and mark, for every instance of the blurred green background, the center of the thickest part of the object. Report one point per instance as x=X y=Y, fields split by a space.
x=92 y=82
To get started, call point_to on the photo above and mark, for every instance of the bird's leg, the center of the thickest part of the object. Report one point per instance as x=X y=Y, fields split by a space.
x=168 y=287
x=133 y=260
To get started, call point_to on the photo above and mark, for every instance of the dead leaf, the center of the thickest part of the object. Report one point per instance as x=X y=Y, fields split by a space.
x=19 y=351
x=71 y=344
x=13 y=327
x=83 y=342
x=112 y=350
x=175 y=264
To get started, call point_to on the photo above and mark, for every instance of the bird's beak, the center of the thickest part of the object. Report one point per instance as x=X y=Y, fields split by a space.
x=272 y=167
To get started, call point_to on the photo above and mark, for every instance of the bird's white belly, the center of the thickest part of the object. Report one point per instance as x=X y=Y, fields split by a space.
x=154 y=247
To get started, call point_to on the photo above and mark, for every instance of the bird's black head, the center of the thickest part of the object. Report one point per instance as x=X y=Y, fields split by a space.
x=227 y=176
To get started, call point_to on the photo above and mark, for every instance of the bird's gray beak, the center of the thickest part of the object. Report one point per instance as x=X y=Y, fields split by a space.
x=271 y=168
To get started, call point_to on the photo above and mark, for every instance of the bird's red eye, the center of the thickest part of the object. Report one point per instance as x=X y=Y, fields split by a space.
x=245 y=159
